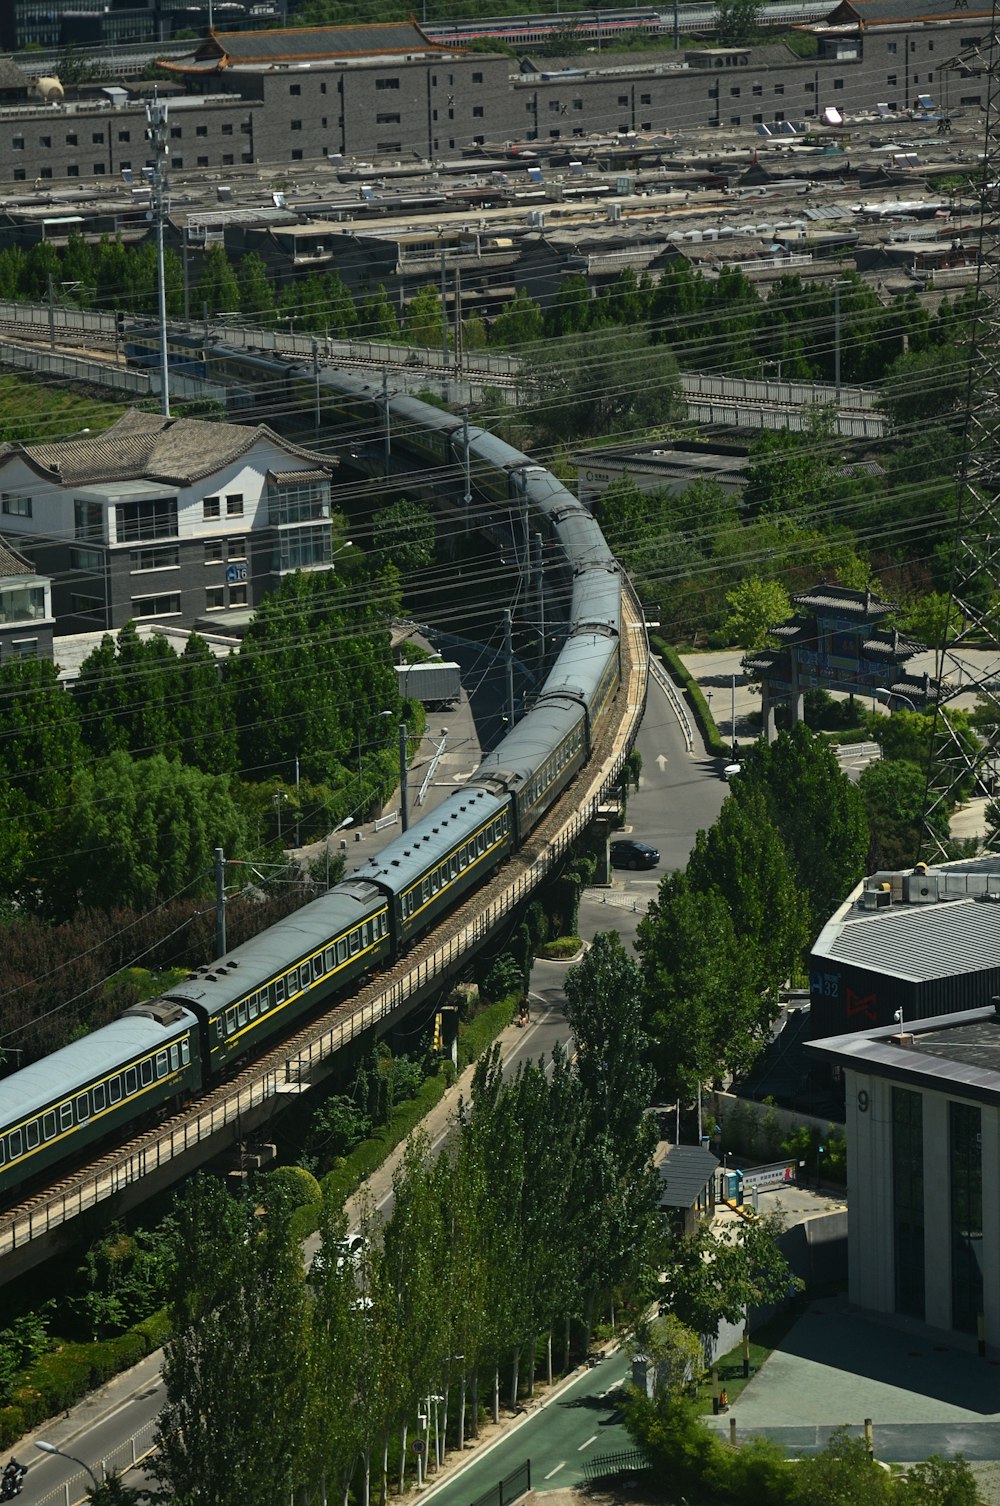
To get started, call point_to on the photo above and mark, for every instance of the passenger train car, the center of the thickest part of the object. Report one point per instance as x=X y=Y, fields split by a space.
x=174 y=1046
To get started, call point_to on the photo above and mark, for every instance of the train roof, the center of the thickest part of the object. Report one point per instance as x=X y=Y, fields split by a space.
x=524 y=750
x=273 y=951
x=577 y=671
x=597 y=598
x=97 y=1054
x=413 y=852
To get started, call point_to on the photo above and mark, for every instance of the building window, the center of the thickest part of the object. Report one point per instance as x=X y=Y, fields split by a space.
x=166 y=557
x=779 y=88
x=757 y=119
x=757 y=90
x=215 y=551
x=387 y=117
x=215 y=598
x=477 y=112
x=71 y=139
x=578 y=104
x=210 y=508
x=153 y=519
x=236 y=548
x=237 y=596
x=891 y=80
x=234 y=505
x=227 y=129
x=388 y=146
x=98 y=168
x=177 y=162
x=45 y=172
x=908 y=1201
x=22 y=604
x=477 y=78
x=124 y=136
x=891 y=48
x=295 y=88
x=295 y=125
x=20 y=174
x=301 y=548
x=623 y=99
x=16 y=505
x=201 y=130
x=735 y=92
x=18 y=143
x=45 y=141
x=176 y=132
x=86 y=559
x=965 y=1150
x=97 y=139
x=387 y=83
x=156 y=606
x=969 y=99
x=86 y=606
x=645 y=99
x=322 y=88
x=72 y=170
x=227 y=159
x=25 y=648
x=88 y=520
x=838 y=83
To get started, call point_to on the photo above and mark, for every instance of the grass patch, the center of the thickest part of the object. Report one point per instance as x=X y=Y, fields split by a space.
x=36 y=411
x=561 y=948
x=763 y=1342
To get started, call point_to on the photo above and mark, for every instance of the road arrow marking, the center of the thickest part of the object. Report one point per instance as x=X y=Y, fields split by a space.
x=661 y=761
x=590 y=1440
x=556 y=1470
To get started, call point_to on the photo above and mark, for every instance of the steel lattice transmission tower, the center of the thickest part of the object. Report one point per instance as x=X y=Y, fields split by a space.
x=958 y=762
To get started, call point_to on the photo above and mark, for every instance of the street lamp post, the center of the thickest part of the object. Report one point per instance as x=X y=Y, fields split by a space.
x=732 y=712
x=347 y=821
x=278 y=798
x=50 y=1448
x=888 y=696
x=404 y=770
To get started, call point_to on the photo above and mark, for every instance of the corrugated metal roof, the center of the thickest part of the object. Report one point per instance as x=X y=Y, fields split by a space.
x=685 y=1171
x=920 y=942
x=315 y=43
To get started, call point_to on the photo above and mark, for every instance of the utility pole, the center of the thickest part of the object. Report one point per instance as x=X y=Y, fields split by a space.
x=459 y=351
x=52 y=314
x=508 y=643
x=467 y=497
x=220 y=903
x=316 y=407
x=385 y=416
x=444 y=314
x=404 y=772
x=536 y=540
x=156 y=134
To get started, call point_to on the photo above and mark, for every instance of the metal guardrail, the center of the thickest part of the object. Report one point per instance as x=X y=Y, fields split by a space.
x=510 y=1488
x=673 y=695
x=622 y=1461
x=123 y=1457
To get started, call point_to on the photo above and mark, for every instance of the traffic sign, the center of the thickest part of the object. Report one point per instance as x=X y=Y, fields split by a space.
x=418 y=1445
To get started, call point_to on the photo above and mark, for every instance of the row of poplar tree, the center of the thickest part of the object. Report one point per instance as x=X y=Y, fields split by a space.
x=540 y=1209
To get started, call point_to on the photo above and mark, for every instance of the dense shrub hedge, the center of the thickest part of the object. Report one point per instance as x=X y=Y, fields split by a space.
x=58 y=1380
x=696 y=702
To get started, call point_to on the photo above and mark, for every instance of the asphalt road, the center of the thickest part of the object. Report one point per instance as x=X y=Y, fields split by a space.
x=578 y=1422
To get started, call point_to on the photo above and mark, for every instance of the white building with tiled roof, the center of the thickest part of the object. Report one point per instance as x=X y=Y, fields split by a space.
x=25 y=609
x=165 y=519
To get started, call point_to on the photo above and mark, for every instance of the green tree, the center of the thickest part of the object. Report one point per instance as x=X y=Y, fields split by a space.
x=237 y=1355
x=676 y=1353
x=376 y=319
x=755 y=607
x=819 y=814
x=894 y=792
x=203 y=727
x=403 y=533
x=613 y=382
x=518 y=324
x=136 y=832
x=842 y=1475
x=217 y=285
x=256 y=294
x=938 y=1482
x=337 y=1323
x=925 y=385
x=422 y=319
x=710 y=1277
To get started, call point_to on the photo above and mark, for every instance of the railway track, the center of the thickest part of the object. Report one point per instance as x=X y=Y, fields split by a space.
x=201 y=1130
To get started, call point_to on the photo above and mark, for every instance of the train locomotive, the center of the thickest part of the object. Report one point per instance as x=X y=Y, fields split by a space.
x=175 y=1046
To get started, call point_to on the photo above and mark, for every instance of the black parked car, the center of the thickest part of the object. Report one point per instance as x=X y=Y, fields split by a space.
x=630 y=853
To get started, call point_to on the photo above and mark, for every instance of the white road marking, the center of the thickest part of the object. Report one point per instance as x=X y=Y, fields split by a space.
x=556 y=1470
x=590 y=1440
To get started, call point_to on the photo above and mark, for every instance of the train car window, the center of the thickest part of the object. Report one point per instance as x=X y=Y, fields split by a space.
x=253 y=1006
x=82 y=1108
x=65 y=1115
x=463 y=856
x=342 y=949
x=318 y=967
x=355 y=942
x=436 y=880
x=453 y=865
x=3 y=1150
x=185 y=1052
x=230 y=1021
x=161 y=1064
x=49 y=1125
x=279 y=990
x=14 y=1144
x=425 y=890
x=115 y=1089
x=131 y=1081
x=146 y=1071
x=98 y=1095
x=174 y=1057
x=32 y=1135
x=329 y=958
x=241 y=1012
